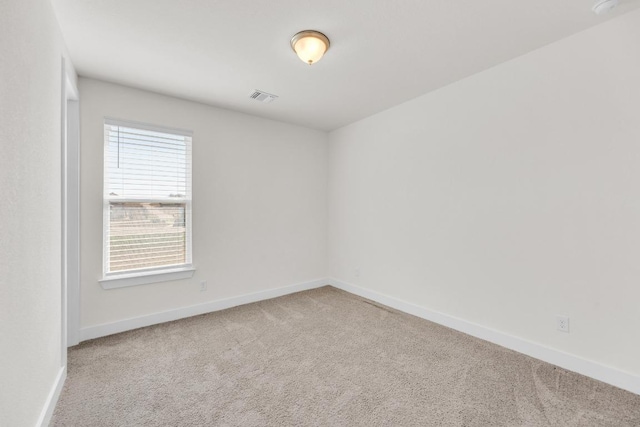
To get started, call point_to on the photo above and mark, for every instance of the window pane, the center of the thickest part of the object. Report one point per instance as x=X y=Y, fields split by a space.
x=147 y=189
x=146 y=164
x=143 y=235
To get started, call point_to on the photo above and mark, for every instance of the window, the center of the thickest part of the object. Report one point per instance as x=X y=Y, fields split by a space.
x=147 y=203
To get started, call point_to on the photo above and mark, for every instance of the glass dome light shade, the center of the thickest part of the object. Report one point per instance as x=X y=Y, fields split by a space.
x=310 y=46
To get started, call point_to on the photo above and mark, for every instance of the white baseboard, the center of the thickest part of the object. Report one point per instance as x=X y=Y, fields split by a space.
x=606 y=374
x=103 y=330
x=52 y=399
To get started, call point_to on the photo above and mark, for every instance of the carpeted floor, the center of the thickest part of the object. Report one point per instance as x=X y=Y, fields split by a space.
x=323 y=358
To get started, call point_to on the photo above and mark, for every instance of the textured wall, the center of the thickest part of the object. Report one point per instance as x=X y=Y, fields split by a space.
x=259 y=202
x=507 y=198
x=30 y=231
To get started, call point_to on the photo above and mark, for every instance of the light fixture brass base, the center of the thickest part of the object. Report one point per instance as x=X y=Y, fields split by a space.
x=309 y=33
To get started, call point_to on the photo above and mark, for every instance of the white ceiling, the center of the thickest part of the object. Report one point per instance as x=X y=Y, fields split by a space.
x=383 y=52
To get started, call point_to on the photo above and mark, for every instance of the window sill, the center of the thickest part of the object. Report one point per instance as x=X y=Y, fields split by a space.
x=122 y=280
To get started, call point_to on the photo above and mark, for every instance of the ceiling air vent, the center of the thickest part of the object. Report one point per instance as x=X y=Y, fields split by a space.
x=261 y=96
x=604 y=6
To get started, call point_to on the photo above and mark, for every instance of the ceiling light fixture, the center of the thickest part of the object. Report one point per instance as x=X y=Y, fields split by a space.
x=310 y=45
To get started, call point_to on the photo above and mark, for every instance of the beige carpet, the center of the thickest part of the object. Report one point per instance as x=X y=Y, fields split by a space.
x=323 y=358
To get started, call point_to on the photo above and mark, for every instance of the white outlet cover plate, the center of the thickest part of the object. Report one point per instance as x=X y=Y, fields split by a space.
x=562 y=323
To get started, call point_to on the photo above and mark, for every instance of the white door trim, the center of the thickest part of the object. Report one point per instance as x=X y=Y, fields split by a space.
x=71 y=211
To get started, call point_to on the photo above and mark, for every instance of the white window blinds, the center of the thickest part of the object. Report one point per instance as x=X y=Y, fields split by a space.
x=147 y=194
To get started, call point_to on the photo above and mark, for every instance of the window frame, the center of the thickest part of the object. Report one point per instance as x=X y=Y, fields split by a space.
x=119 y=279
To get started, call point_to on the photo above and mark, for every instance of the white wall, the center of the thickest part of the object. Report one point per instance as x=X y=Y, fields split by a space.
x=30 y=218
x=507 y=198
x=259 y=209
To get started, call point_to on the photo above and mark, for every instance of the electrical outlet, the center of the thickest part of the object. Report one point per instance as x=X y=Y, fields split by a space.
x=203 y=286
x=356 y=272
x=562 y=323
